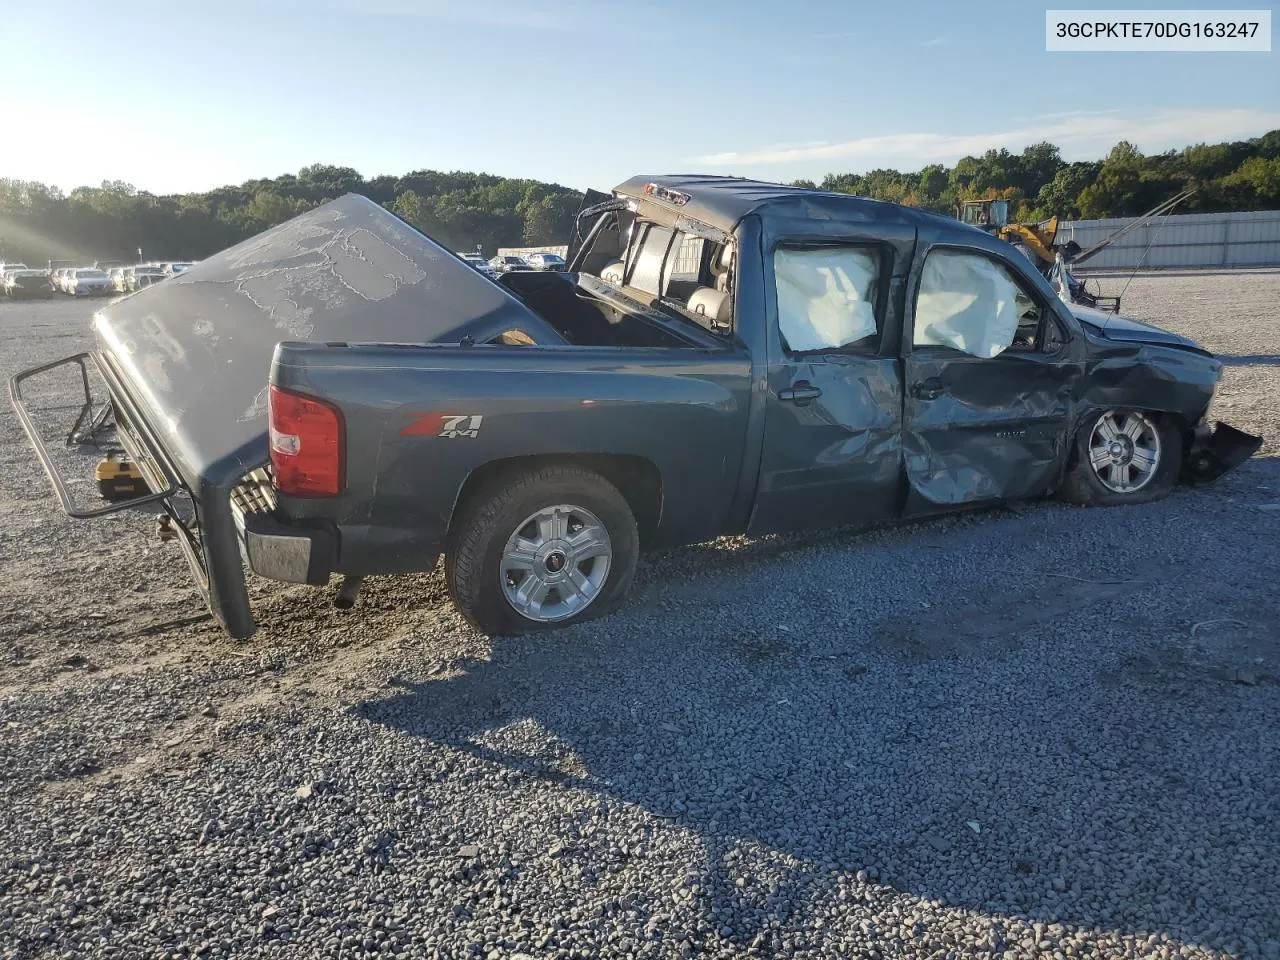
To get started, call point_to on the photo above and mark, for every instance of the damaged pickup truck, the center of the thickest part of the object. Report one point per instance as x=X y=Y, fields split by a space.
x=343 y=395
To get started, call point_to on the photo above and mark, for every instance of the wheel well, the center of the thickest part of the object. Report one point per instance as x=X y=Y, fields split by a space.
x=636 y=478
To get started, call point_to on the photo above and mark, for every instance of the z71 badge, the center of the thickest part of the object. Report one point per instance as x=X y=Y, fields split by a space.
x=444 y=425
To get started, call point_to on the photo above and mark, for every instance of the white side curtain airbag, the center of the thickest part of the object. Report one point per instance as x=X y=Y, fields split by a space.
x=967 y=302
x=825 y=296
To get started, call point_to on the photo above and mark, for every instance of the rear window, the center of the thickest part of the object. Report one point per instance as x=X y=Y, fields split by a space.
x=646 y=265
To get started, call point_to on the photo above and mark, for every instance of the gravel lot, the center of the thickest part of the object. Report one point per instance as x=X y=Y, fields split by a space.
x=1052 y=731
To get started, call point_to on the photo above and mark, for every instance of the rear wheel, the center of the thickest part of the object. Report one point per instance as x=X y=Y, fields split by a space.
x=1124 y=457
x=541 y=550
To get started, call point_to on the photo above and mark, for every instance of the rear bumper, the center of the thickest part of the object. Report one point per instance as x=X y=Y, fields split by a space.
x=274 y=548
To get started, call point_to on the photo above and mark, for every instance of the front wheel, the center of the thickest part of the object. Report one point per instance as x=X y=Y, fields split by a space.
x=541 y=550
x=1123 y=457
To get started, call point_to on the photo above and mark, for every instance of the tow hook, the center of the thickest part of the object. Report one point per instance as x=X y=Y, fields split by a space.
x=164 y=528
x=347 y=593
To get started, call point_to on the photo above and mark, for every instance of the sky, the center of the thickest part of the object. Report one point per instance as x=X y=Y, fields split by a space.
x=186 y=96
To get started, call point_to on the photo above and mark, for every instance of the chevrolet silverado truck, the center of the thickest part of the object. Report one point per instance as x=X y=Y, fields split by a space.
x=343 y=395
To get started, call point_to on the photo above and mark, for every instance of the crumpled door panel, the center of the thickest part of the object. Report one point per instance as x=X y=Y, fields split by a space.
x=983 y=429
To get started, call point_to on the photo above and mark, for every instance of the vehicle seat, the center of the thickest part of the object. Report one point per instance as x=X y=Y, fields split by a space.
x=715 y=305
x=720 y=266
x=613 y=272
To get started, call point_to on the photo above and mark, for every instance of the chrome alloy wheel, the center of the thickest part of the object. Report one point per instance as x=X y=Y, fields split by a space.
x=1124 y=451
x=556 y=563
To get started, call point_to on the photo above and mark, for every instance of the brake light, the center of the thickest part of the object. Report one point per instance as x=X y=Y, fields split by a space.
x=306 y=438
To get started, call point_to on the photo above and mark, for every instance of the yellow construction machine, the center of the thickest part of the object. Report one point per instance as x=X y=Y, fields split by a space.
x=1039 y=242
x=1038 y=239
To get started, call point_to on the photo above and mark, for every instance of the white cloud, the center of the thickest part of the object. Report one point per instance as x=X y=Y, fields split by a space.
x=1085 y=135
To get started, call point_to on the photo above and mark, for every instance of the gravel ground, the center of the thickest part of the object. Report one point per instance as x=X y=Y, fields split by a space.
x=1052 y=731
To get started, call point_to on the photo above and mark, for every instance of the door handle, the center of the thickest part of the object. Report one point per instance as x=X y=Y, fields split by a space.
x=800 y=392
x=929 y=389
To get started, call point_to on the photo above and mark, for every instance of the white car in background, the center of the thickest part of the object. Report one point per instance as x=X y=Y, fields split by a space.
x=144 y=275
x=480 y=263
x=548 y=262
x=89 y=282
x=507 y=263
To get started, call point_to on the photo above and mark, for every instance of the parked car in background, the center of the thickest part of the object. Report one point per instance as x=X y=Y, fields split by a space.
x=88 y=282
x=52 y=268
x=7 y=266
x=116 y=276
x=176 y=267
x=58 y=279
x=508 y=263
x=26 y=284
x=547 y=262
x=144 y=276
x=480 y=263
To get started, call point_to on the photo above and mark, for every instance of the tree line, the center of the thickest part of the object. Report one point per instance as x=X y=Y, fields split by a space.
x=469 y=210
x=1241 y=175
x=463 y=211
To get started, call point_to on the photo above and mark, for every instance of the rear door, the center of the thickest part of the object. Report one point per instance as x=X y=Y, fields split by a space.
x=989 y=374
x=832 y=451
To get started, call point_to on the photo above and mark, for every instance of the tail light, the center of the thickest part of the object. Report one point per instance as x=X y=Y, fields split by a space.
x=306 y=439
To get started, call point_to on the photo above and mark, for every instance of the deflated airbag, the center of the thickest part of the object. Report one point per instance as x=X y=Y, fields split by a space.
x=824 y=296
x=966 y=302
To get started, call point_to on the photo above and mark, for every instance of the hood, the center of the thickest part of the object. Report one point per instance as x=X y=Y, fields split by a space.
x=1127 y=330
x=194 y=352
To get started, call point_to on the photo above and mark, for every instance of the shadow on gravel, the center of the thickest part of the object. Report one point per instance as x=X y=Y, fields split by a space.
x=1250 y=360
x=1097 y=794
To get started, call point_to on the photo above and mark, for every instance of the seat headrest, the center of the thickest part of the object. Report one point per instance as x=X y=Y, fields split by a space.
x=715 y=305
x=613 y=272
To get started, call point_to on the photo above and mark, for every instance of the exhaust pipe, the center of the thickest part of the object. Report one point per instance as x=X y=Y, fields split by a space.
x=347 y=593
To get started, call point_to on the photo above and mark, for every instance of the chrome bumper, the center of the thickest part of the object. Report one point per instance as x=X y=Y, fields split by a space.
x=273 y=548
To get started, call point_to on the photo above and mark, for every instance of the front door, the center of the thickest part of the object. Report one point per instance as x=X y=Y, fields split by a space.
x=832 y=451
x=988 y=382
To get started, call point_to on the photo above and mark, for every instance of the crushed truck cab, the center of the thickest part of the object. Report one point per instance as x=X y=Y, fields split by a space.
x=344 y=396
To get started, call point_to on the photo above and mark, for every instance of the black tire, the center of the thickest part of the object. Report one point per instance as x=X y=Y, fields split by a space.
x=479 y=534
x=1082 y=485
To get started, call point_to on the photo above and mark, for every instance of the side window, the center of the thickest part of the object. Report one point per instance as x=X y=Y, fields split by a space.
x=975 y=304
x=827 y=297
